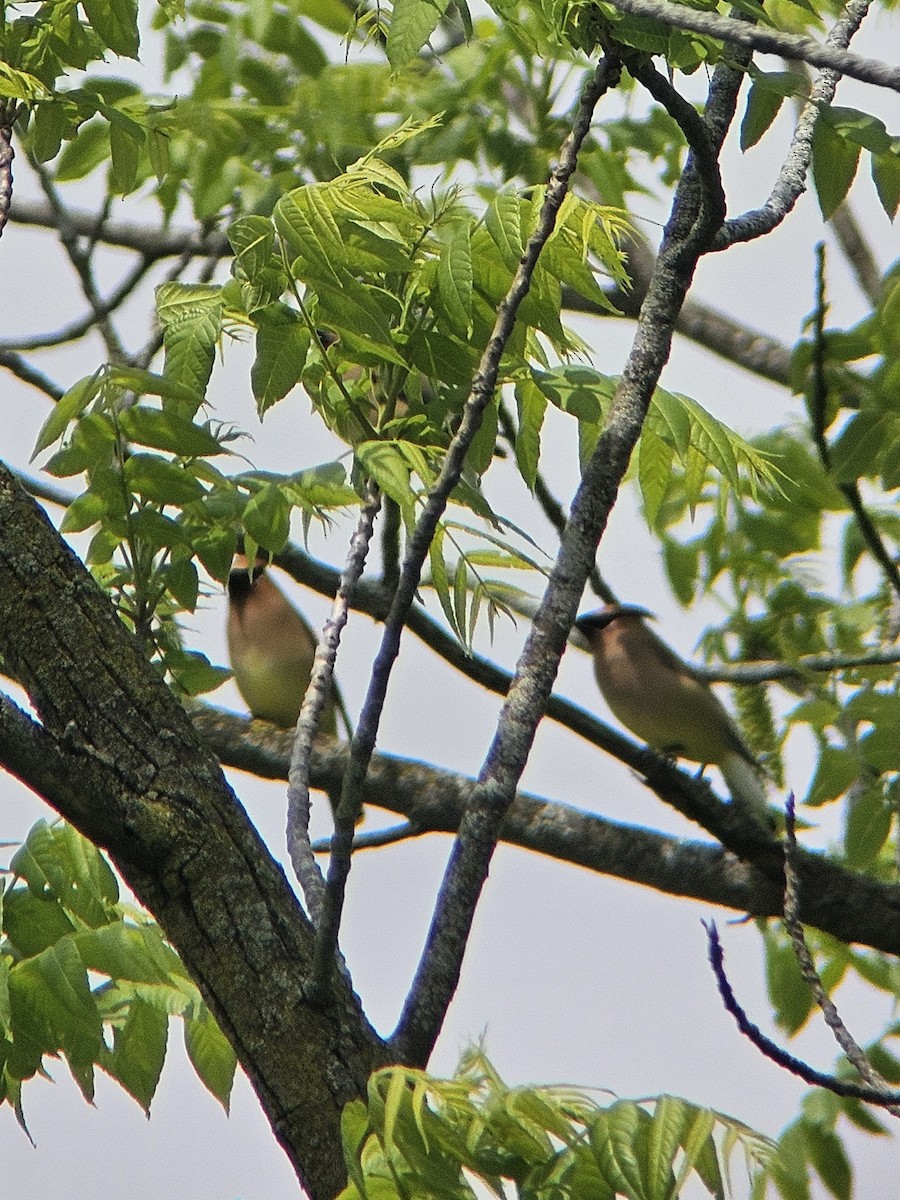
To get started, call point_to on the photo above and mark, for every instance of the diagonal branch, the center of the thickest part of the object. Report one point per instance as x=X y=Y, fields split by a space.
x=483 y=385
x=696 y=215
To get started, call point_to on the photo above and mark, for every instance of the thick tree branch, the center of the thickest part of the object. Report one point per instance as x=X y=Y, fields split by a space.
x=849 y=906
x=117 y=755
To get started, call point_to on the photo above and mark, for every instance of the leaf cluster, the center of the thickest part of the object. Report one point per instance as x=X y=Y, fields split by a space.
x=86 y=977
x=427 y=1137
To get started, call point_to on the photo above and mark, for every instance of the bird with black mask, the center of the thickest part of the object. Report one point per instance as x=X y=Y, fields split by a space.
x=657 y=696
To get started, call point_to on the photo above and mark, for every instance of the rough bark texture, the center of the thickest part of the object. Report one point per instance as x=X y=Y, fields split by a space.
x=118 y=757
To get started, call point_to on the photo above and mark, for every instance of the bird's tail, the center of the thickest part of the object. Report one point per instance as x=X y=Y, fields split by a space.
x=746 y=783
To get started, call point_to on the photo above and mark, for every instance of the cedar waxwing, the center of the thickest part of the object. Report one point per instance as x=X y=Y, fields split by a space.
x=271 y=648
x=657 y=697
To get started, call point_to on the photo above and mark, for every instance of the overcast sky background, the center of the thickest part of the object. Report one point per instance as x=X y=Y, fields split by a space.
x=570 y=977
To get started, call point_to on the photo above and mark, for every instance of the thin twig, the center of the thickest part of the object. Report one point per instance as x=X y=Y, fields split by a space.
x=7 y=154
x=840 y=1087
x=77 y=329
x=792 y=46
x=376 y=838
x=854 y=1052
x=151 y=242
x=43 y=491
x=80 y=258
x=818 y=403
x=325 y=907
x=22 y=369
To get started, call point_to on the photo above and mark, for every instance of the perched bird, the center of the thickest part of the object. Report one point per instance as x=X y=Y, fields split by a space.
x=271 y=648
x=656 y=695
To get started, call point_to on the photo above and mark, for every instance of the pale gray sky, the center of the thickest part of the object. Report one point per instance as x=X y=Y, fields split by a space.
x=570 y=976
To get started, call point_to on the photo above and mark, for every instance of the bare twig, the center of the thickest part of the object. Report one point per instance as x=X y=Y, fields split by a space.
x=149 y=241
x=818 y=401
x=376 y=839
x=327 y=908
x=7 y=154
x=77 y=329
x=22 y=369
x=840 y=1087
x=80 y=258
x=854 y=1052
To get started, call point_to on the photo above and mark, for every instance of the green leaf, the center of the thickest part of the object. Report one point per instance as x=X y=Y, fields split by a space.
x=481 y=452
x=532 y=405
x=503 y=220
x=412 y=24
x=33 y=924
x=51 y=1004
x=655 y=459
x=670 y=1119
x=614 y=1138
x=85 y=152
x=455 y=279
x=253 y=240
x=306 y=223
x=115 y=21
x=19 y=85
x=191 y=317
x=886 y=176
x=267 y=518
x=763 y=105
x=126 y=140
x=788 y=990
x=858 y=127
x=67 y=408
x=282 y=344
x=857 y=451
x=164 y=429
x=183 y=582
x=835 y=771
x=139 y=1051
x=440 y=580
x=834 y=163
x=383 y=462
x=84 y=511
x=57 y=860
x=868 y=827
x=160 y=481
x=211 y=1056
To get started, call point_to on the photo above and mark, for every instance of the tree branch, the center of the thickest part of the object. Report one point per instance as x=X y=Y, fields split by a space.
x=696 y=215
x=345 y=817
x=791 y=46
x=483 y=385
x=852 y=907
